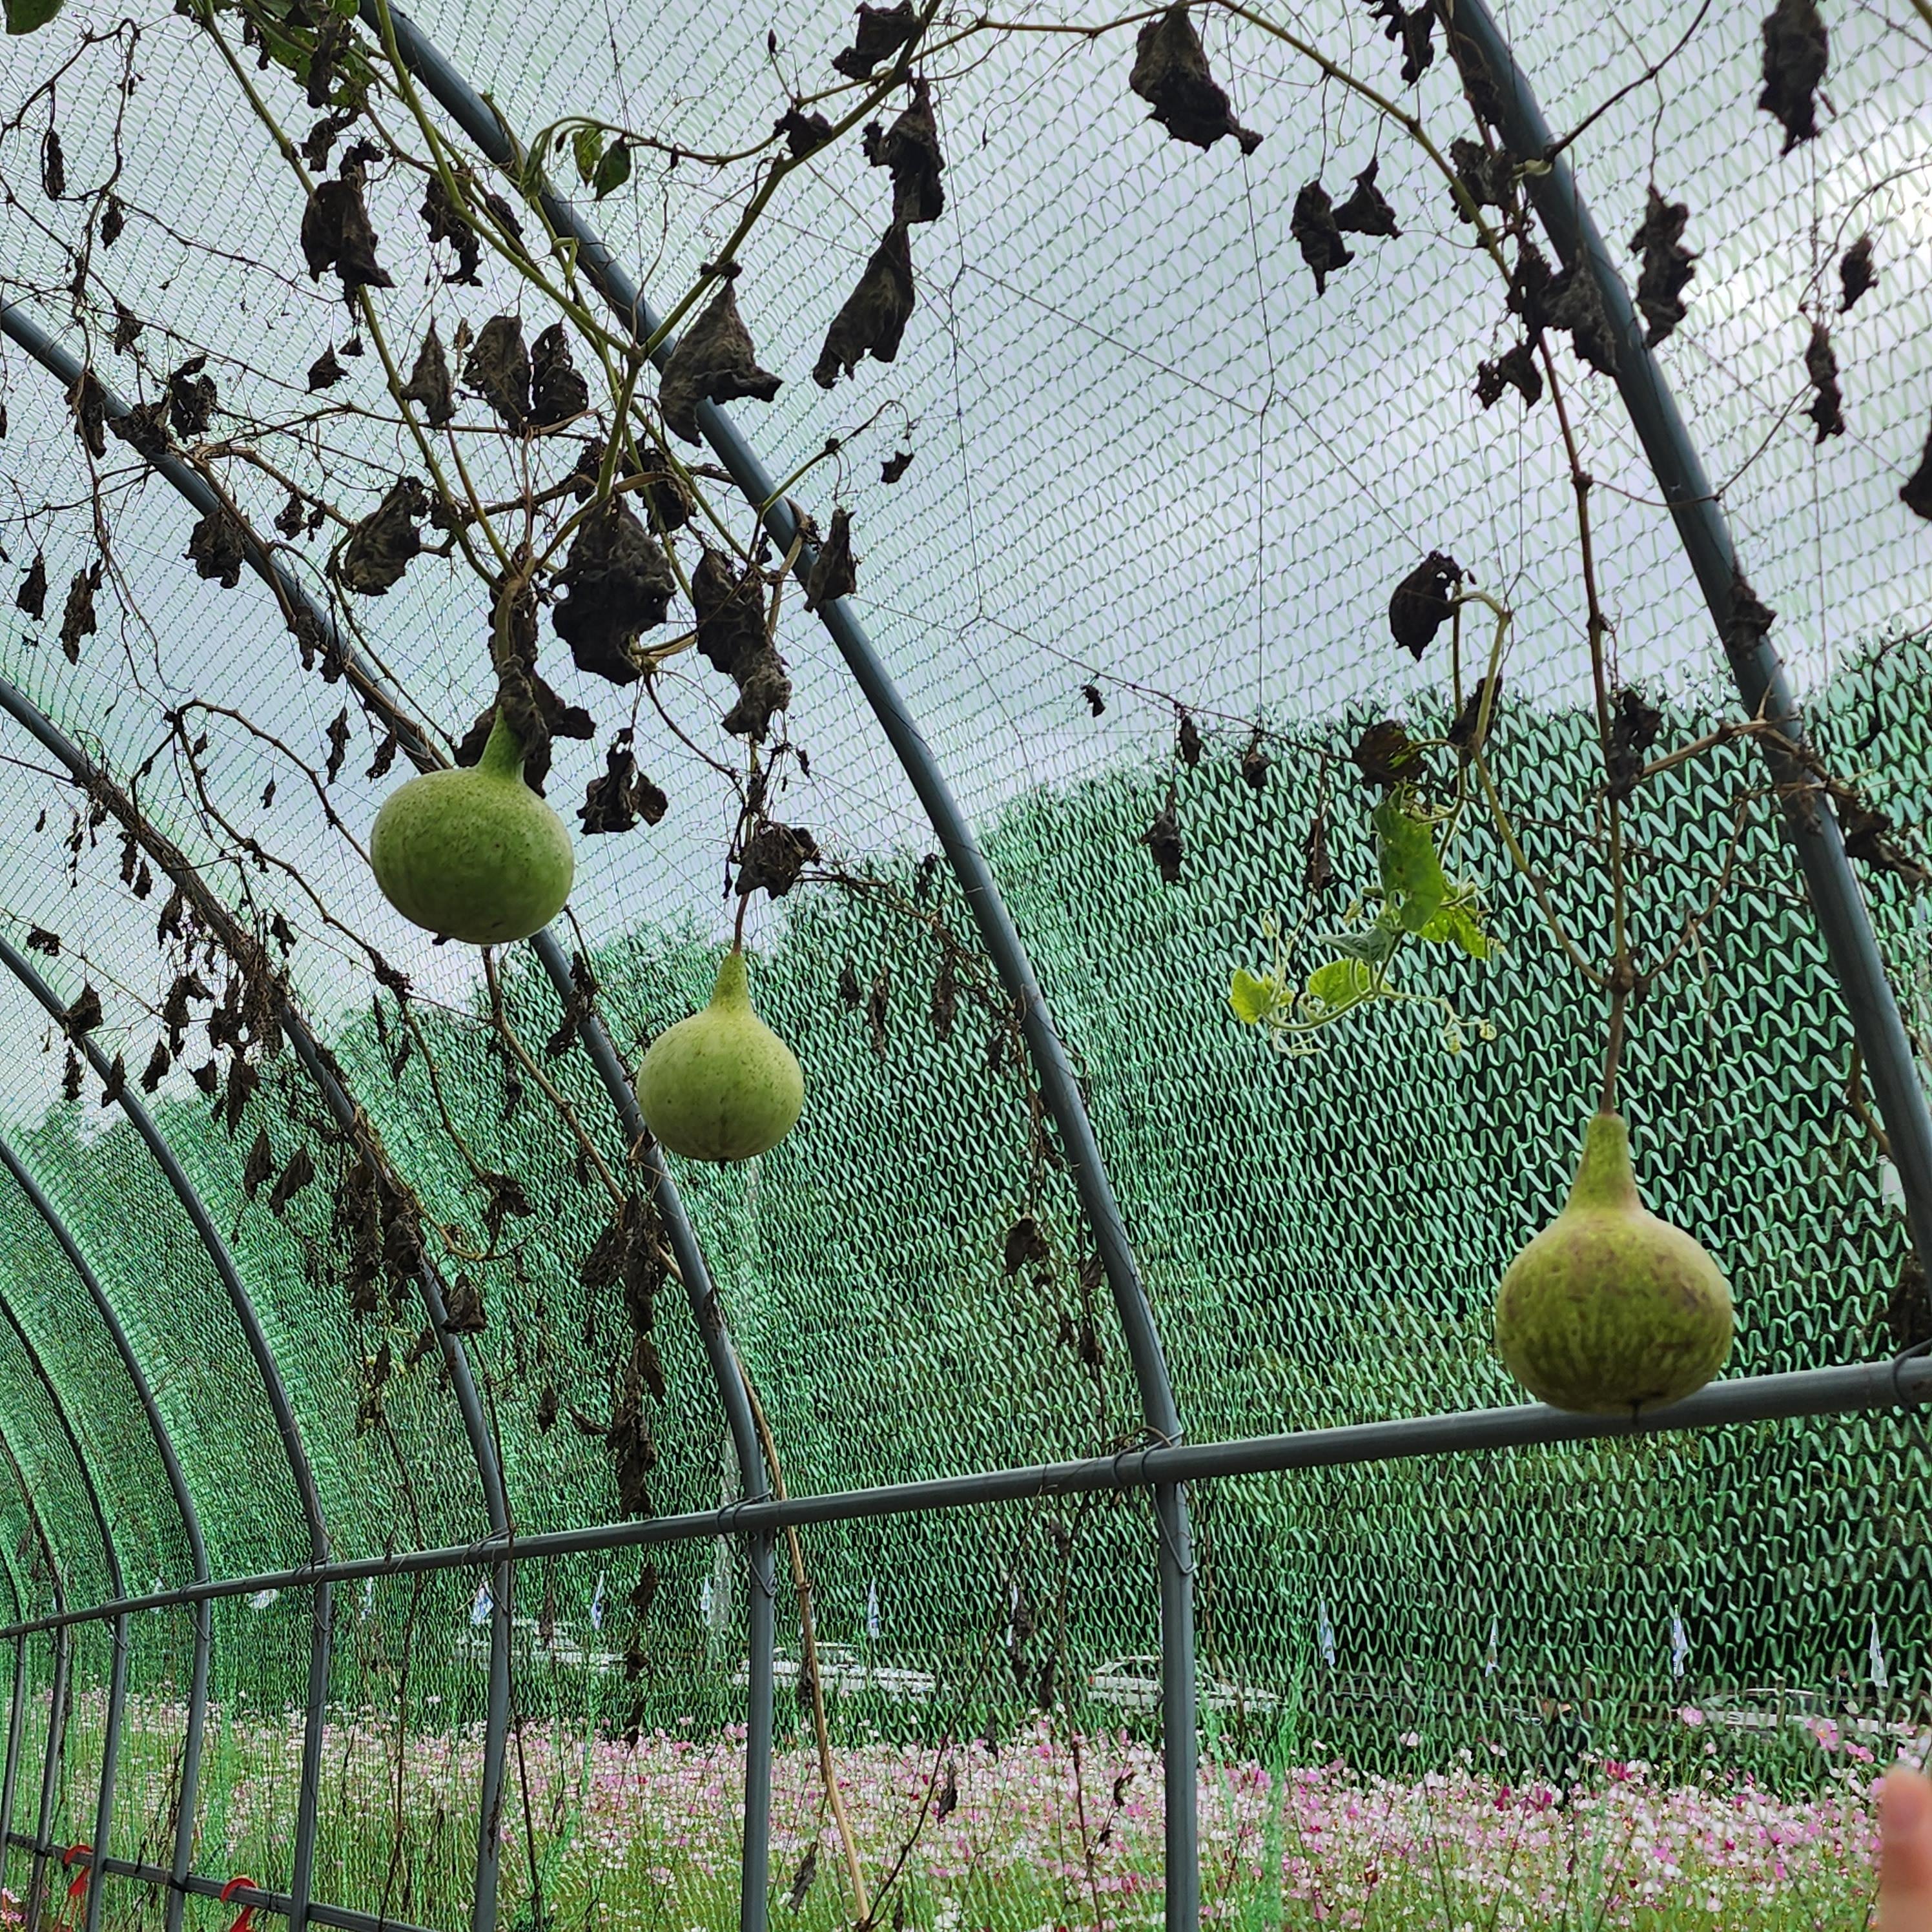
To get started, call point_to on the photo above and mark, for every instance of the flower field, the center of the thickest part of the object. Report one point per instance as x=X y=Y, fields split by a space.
x=1044 y=1831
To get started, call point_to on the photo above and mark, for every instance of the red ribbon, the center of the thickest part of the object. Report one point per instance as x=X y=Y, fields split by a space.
x=245 y=1922
x=77 y=1891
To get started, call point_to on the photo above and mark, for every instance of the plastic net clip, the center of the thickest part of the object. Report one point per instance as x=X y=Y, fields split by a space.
x=245 y=1919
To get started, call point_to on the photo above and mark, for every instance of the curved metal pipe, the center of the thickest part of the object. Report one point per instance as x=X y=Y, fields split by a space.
x=57 y=1706
x=117 y=1676
x=188 y=1799
x=23 y=969
x=1837 y=902
x=727 y=1376
x=484 y=126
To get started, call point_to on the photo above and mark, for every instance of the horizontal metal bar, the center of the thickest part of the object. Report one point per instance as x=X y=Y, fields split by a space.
x=346 y=1916
x=1902 y=1382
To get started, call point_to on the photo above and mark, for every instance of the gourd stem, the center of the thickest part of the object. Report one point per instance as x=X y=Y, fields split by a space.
x=503 y=755
x=1613 y=1052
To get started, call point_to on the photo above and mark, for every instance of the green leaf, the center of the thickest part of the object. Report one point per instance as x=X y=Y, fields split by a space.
x=1253 y=999
x=1412 y=875
x=1339 y=983
x=1372 y=947
x=612 y=171
x=587 y=145
x=23 y=16
x=1458 y=925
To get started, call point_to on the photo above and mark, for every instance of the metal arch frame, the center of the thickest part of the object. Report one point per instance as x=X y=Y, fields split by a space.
x=15 y=1716
x=1837 y=902
x=484 y=126
x=482 y=1445
x=117 y=1678
x=188 y=1798
x=56 y=1743
x=727 y=1375
x=299 y=1468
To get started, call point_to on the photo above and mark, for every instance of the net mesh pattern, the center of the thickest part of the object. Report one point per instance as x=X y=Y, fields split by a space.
x=1154 y=476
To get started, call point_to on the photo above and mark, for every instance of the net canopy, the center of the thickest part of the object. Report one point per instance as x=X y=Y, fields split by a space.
x=1157 y=500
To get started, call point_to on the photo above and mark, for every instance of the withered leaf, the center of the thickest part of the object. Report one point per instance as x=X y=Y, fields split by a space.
x=1485 y=176
x=1856 y=275
x=1515 y=369
x=1097 y=705
x=947 y=1802
x=114 y=1081
x=772 y=858
x=329 y=31
x=895 y=466
x=1413 y=30
x=536 y=715
x=429 y=386
x=834 y=575
x=40 y=940
x=378 y=548
x=31 y=597
x=463 y=1312
x=1667 y=265
x=1385 y=755
x=1573 y=301
x=446 y=223
x=1821 y=367
x=548 y=1404
x=498 y=369
x=714 y=361
x=1868 y=834
x=882 y=32
x=849 y=992
x=144 y=427
x=1751 y=618
x=1255 y=764
x=293 y=1179
x=1318 y=874
x=1419 y=606
x=1314 y=228
x=910 y=149
x=873 y=318
x=77 y=619
x=1187 y=741
x=113 y=219
x=320 y=140
x=1163 y=839
x=88 y=401
x=1026 y=1247
x=84 y=1016
x=70 y=1076
x=325 y=372
x=156 y=1069
x=1634 y=725
x=259 y=1167
x=1796 y=49
x=557 y=392
x=53 y=165
x=337 y=233
x=808 y=1866
x=337 y=735
x=217 y=549
x=878 y=1000
x=128 y=326
x=622 y=796
x=1916 y=492
x=730 y=607
x=805 y=134
x=1170 y=73
x=1367 y=211
x=191 y=399
x=1463 y=732
x=619 y=584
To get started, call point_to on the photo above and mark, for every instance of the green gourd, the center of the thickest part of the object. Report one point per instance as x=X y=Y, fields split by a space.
x=720 y=1085
x=472 y=853
x=1610 y=1310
